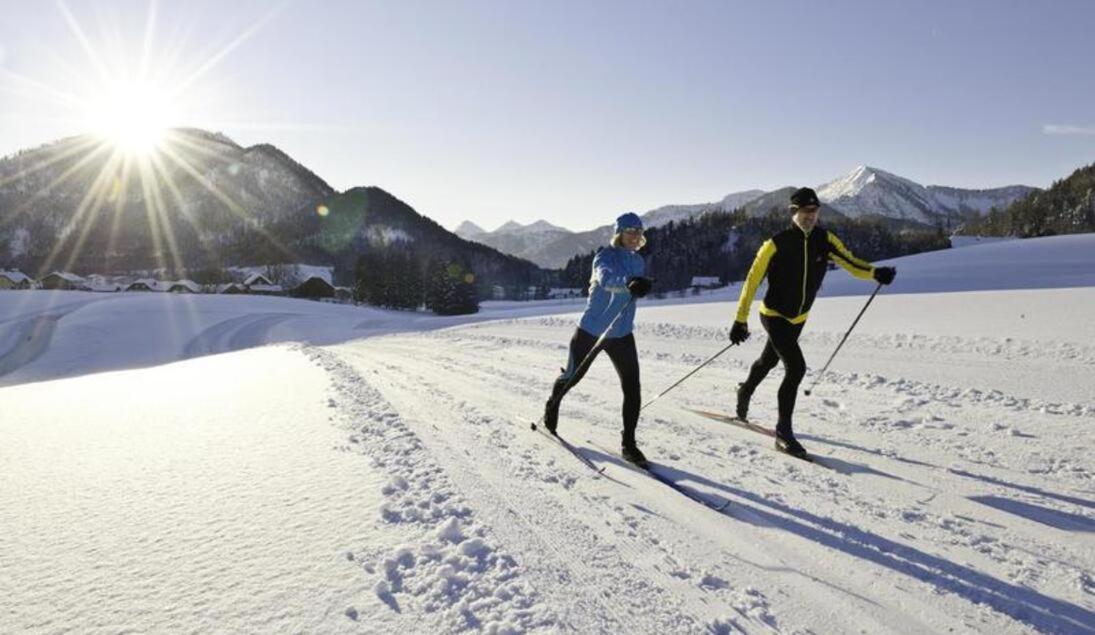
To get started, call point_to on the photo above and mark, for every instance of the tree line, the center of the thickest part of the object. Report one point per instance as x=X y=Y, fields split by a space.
x=723 y=244
x=1067 y=207
x=400 y=278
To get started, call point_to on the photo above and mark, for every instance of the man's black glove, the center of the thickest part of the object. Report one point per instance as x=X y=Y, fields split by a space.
x=884 y=275
x=639 y=286
x=739 y=332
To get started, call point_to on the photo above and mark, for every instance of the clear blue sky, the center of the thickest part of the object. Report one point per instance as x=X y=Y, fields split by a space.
x=576 y=111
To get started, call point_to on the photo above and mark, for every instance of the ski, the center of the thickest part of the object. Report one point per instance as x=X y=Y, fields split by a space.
x=570 y=448
x=752 y=427
x=648 y=470
x=734 y=421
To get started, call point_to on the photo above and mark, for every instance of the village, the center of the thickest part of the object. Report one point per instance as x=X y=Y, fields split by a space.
x=312 y=287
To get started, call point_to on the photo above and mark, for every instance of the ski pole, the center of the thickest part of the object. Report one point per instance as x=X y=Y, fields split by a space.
x=843 y=339
x=693 y=372
x=592 y=353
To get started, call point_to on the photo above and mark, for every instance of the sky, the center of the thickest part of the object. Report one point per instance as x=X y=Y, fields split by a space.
x=574 y=112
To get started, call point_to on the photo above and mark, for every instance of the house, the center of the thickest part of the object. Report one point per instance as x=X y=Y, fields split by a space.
x=232 y=288
x=63 y=280
x=102 y=284
x=344 y=294
x=705 y=282
x=145 y=284
x=14 y=280
x=314 y=287
x=184 y=286
x=257 y=279
x=265 y=289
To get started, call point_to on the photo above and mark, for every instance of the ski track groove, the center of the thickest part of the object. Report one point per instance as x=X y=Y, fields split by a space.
x=757 y=598
x=32 y=334
x=611 y=551
x=438 y=572
x=245 y=331
x=991 y=547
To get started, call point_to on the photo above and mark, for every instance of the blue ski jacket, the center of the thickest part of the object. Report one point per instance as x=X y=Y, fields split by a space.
x=612 y=267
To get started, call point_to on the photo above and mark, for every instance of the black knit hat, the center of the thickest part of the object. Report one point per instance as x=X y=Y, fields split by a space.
x=804 y=197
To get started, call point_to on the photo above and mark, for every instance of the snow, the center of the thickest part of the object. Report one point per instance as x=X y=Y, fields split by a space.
x=532 y=229
x=968 y=241
x=15 y=276
x=238 y=464
x=299 y=271
x=866 y=190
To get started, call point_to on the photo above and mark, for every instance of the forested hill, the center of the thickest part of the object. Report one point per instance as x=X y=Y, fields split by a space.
x=1067 y=207
x=724 y=244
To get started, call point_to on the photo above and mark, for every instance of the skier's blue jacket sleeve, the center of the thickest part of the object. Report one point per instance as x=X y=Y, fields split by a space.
x=612 y=268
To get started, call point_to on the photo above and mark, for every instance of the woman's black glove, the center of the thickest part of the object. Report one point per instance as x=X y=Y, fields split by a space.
x=639 y=286
x=739 y=332
x=885 y=275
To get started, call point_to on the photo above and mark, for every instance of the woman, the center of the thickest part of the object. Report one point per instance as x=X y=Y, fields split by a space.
x=617 y=279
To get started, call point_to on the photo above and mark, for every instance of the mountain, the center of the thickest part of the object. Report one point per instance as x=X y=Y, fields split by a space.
x=670 y=213
x=551 y=246
x=203 y=203
x=1067 y=207
x=364 y=219
x=531 y=242
x=468 y=230
x=867 y=191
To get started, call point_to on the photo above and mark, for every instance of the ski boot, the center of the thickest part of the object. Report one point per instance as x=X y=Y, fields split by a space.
x=551 y=415
x=631 y=452
x=788 y=444
x=744 y=395
x=551 y=407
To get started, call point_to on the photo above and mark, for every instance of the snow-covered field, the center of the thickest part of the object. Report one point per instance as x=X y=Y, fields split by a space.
x=373 y=471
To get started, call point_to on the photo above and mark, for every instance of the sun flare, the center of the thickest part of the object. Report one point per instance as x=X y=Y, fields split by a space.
x=134 y=117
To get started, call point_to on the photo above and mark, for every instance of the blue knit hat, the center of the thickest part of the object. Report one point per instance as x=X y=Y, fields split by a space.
x=629 y=220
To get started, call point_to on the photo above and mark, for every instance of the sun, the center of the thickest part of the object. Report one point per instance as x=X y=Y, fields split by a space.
x=133 y=116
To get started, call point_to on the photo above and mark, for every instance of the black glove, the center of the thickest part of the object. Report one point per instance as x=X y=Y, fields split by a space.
x=885 y=275
x=739 y=332
x=639 y=286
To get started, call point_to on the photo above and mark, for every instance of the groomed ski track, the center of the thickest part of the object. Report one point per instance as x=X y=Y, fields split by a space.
x=943 y=550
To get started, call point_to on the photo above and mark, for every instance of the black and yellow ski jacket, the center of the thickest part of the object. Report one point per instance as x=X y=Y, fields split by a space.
x=795 y=263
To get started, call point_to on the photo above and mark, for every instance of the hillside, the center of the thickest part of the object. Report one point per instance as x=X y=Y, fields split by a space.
x=366 y=219
x=201 y=201
x=1067 y=207
x=202 y=204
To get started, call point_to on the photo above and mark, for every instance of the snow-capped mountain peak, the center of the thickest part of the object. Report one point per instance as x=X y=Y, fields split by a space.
x=509 y=227
x=540 y=226
x=868 y=190
x=468 y=229
x=543 y=226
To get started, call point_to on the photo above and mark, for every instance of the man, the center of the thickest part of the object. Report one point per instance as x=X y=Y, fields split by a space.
x=795 y=261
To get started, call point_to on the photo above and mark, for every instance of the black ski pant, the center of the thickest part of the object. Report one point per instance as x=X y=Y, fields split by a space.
x=624 y=356
x=782 y=346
